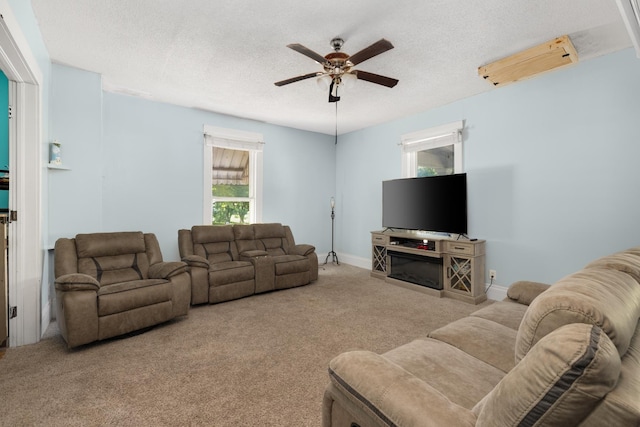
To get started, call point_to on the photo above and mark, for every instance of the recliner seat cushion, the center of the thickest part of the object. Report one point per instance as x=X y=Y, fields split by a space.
x=290 y=264
x=126 y=296
x=484 y=339
x=462 y=378
x=223 y=273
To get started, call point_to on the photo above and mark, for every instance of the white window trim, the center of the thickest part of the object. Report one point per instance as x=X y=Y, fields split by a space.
x=238 y=140
x=439 y=136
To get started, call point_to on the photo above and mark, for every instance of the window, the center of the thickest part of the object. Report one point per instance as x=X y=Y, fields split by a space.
x=435 y=151
x=233 y=176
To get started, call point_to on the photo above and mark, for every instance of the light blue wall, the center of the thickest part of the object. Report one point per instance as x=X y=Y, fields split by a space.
x=75 y=195
x=137 y=164
x=552 y=167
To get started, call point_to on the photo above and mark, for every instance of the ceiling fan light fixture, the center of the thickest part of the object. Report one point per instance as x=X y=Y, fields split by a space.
x=324 y=81
x=348 y=80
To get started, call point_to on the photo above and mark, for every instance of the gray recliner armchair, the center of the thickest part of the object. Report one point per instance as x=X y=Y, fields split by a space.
x=109 y=284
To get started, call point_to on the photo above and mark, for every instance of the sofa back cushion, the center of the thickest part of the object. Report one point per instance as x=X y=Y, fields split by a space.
x=626 y=261
x=271 y=238
x=245 y=238
x=559 y=382
x=213 y=242
x=609 y=299
x=112 y=257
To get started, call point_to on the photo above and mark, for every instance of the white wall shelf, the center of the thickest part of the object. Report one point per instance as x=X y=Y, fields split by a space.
x=59 y=167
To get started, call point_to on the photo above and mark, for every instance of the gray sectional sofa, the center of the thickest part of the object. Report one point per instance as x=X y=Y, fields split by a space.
x=227 y=262
x=560 y=355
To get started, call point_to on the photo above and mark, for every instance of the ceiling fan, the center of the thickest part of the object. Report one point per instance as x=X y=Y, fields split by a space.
x=338 y=67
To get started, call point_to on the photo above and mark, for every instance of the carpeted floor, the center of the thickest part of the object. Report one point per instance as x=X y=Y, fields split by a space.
x=258 y=361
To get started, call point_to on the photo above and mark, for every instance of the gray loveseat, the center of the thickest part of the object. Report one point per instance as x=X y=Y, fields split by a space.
x=109 y=284
x=227 y=262
x=564 y=355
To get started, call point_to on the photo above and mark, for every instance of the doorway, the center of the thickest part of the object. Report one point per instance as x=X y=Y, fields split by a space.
x=26 y=148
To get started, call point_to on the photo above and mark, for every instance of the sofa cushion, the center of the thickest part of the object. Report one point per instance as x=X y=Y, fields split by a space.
x=223 y=273
x=506 y=313
x=607 y=298
x=557 y=383
x=213 y=251
x=484 y=339
x=525 y=291
x=269 y=230
x=290 y=264
x=622 y=403
x=626 y=261
x=211 y=233
x=131 y=295
x=115 y=269
x=108 y=244
x=460 y=377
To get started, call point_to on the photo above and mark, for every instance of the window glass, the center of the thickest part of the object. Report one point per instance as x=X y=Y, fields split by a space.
x=230 y=186
x=435 y=161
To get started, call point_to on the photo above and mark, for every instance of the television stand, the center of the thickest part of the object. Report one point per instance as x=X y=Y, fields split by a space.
x=430 y=263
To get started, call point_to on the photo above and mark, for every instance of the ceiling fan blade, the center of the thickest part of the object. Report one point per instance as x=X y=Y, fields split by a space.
x=376 y=78
x=296 y=79
x=377 y=48
x=307 y=52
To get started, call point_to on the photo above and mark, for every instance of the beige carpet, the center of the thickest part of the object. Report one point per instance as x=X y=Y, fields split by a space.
x=258 y=361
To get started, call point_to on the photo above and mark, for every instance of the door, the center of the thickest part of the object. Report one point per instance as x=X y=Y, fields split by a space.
x=4 y=204
x=4 y=300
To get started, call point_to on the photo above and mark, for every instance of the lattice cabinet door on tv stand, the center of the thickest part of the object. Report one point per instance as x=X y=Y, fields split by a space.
x=463 y=262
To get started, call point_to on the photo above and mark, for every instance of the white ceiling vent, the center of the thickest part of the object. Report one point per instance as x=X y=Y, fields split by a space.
x=630 y=11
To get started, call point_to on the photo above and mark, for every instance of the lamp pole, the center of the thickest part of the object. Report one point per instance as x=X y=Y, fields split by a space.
x=332 y=254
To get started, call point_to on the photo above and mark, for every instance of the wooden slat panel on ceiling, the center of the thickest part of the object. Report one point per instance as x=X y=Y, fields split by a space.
x=548 y=56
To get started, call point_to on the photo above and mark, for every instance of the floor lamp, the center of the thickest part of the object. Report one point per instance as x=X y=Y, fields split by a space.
x=332 y=254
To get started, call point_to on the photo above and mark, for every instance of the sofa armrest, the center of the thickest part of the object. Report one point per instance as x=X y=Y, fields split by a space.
x=392 y=394
x=524 y=291
x=196 y=261
x=167 y=269
x=77 y=282
x=302 y=249
x=253 y=254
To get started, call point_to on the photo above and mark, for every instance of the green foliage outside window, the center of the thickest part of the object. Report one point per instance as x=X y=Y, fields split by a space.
x=229 y=212
x=426 y=171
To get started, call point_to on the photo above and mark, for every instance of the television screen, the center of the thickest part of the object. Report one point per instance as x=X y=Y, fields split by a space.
x=437 y=203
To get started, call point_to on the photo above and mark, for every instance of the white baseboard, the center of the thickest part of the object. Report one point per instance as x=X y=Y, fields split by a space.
x=356 y=261
x=495 y=292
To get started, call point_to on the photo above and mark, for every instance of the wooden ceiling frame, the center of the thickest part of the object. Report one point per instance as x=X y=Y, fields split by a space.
x=554 y=54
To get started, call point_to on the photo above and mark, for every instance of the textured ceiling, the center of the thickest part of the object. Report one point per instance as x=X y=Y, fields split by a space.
x=224 y=56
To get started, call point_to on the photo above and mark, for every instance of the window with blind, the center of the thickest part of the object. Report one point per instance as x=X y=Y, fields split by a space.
x=233 y=176
x=434 y=151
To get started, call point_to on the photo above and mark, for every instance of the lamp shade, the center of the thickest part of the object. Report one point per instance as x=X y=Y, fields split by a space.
x=323 y=82
x=333 y=203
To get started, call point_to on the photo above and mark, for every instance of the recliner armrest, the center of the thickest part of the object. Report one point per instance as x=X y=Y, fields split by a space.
x=393 y=394
x=302 y=249
x=524 y=291
x=165 y=270
x=77 y=282
x=196 y=261
x=253 y=253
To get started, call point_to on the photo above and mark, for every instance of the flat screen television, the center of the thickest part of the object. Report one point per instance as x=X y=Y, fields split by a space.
x=436 y=203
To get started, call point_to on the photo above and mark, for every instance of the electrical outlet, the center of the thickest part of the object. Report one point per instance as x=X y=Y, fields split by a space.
x=492 y=274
